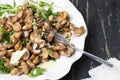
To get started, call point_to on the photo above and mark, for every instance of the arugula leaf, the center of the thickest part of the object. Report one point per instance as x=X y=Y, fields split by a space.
x=36 y=72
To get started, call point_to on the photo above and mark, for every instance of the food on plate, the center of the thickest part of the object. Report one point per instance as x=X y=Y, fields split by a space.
x=24 y=42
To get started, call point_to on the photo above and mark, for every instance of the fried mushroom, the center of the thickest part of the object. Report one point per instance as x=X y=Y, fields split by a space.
x=26 y=55
x=24 y=67
x=33 y=47
x=36 y=60
x=54 y=54
x=79 y=31
x=29 y=62
x=2 y=53
x=17 y=26
x=44 y=53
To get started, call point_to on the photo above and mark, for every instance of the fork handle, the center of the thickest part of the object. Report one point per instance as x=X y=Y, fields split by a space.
x=98 y=59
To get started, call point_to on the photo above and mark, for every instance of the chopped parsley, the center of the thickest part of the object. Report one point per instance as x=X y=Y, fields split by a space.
x=36 y=72
x=4 y=69
x=6 y=35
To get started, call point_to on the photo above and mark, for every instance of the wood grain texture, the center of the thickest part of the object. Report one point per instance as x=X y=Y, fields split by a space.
x=103 y=21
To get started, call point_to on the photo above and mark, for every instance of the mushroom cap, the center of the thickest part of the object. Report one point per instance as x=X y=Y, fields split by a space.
x=17 y=26
x=26 y=55
x=30 y=63
x=3 y=53
x=36 y=35
x=54 y=54
x=44 y=53
x=33 y=47
x=79 y=31
x=24 y=67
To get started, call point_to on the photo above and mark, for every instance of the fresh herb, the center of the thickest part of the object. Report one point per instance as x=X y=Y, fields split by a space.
x=49 y=51
x=6 y=8
x=4 y=69
x=2 y=30
x=43 y=13
x=51 y=58
x=6 y=37
x=24 y=42
x=60 y=31
x=36 y=72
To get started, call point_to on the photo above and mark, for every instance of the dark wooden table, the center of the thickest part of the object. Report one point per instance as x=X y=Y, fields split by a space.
x=103 y=21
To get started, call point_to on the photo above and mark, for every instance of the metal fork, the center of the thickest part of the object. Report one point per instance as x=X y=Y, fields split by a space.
x=59 y=38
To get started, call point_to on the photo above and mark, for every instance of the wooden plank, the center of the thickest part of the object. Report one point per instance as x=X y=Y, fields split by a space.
x=103 y=22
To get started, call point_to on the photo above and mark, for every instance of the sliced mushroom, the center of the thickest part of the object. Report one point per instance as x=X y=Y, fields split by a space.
x=29 y=12
x=30 y=64
x=59 y=46
x=35 y=27
x=54 y=54
x=26 y=55
x=14 y=71
x=16 y=36
x=79 y=31
x=26 y=34
x=72 y=26
x=63 y=15
x=14 y=39
x=33 y=47
x=2 y=47
x=17 y=26
x=3 y=20
x=14 y=19
x=41 y=43
x=50 y=37
x=18 y=46
x=67 y=34
x=70 y=51
x=29 y=16
x=44 y=53
x=9 y=52
x=36 y=35
x=47 y=25
x=32 y=56
x=36 y=48
x=2 y=53
x=36 y=60
x=9 y=25
x=24 y=67
x=8 y=46
x=58 y=25
x=27 y=27
x=20 y=13
x=63 y=52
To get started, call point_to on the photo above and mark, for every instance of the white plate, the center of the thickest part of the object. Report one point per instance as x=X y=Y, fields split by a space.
x=63 y=64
